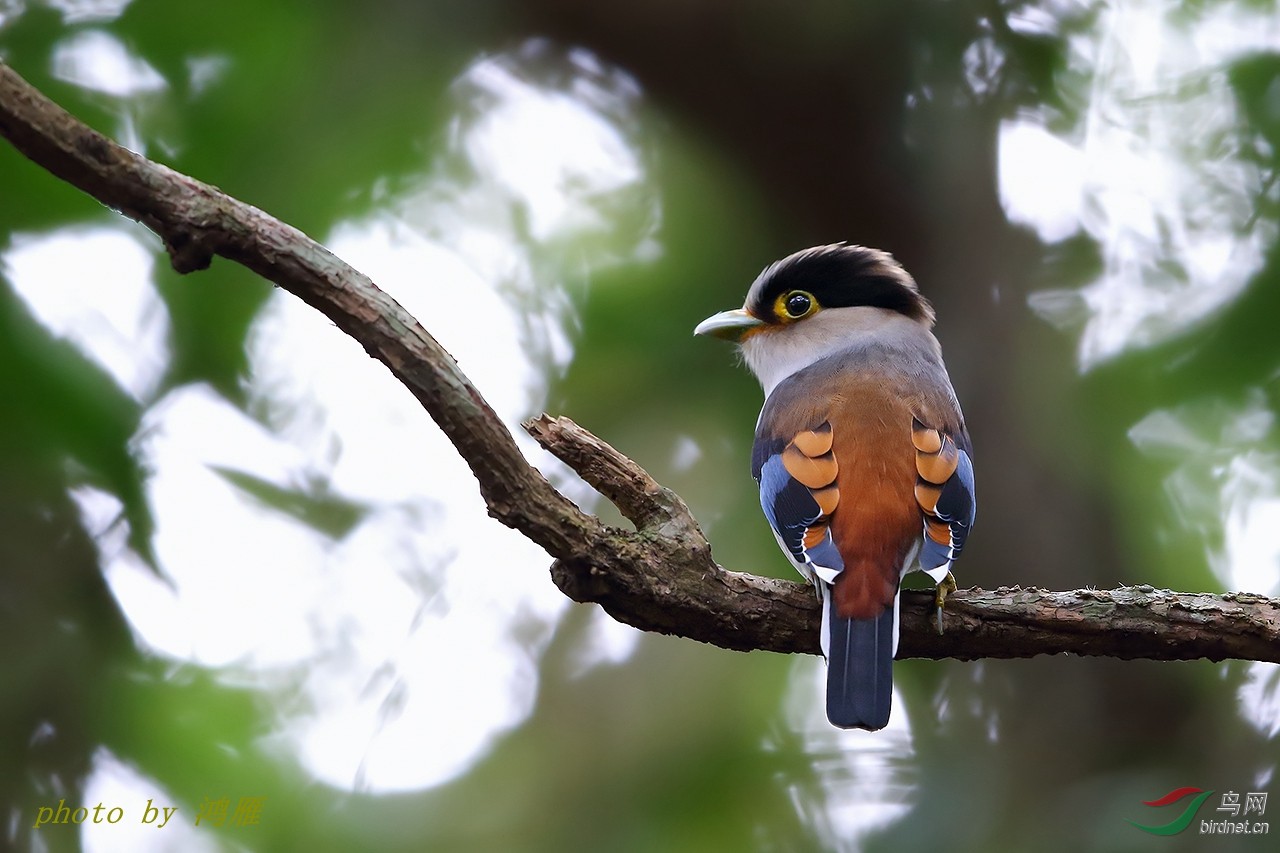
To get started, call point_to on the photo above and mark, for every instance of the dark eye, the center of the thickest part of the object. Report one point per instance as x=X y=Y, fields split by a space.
x=798 y=304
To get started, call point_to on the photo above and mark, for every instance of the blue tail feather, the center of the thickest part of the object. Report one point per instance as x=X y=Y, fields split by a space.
x=860 y=670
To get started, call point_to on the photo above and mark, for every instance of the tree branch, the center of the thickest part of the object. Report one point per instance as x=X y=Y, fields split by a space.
x=661 y=576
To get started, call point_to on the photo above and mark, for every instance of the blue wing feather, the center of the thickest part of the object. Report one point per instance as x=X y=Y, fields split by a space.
x=789 y=506
x=957 y=506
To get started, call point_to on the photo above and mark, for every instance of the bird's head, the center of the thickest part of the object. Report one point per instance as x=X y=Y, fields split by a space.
x=816 y=302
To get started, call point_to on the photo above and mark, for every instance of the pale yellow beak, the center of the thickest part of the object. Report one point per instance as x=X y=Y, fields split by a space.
x=730 y=325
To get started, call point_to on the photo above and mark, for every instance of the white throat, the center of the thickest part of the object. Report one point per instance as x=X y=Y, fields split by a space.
x=775 y=354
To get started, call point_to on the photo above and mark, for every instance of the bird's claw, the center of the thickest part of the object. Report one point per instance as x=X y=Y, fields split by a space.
x=946 y=586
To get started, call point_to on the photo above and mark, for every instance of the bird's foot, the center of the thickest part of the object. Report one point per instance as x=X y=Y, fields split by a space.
x=946 y=586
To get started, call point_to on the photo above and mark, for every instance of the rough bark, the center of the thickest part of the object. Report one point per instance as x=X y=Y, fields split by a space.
x=661 y=576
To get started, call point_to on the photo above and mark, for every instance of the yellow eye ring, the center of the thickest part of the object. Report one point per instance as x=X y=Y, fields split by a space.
x=795 y=304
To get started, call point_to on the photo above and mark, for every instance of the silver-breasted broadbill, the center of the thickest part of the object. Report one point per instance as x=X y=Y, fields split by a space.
x=861 y=451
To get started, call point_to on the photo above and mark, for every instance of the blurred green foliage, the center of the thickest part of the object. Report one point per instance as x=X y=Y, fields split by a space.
x=760 y=132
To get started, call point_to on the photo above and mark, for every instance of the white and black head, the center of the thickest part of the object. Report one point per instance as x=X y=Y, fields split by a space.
x=818 y=301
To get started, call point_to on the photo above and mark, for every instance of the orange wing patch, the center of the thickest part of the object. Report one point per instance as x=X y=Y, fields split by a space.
x=816 y=472
x=809 y=459
x=939 y=531
x=936 y=459
x=814 y=535
x=926 y=440
x=828 y=499
x=927 y=495
x=814 y=442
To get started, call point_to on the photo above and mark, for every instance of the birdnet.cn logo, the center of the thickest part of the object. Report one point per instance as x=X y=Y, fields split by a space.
x=1236 y=814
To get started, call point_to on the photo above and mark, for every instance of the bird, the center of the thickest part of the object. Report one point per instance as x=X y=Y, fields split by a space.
x=861 y=452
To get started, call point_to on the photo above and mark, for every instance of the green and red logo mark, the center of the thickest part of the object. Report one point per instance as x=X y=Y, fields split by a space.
x=1183 y=820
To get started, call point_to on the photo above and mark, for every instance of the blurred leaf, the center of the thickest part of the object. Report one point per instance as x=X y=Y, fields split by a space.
x=66 y=409
x=314 y=505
